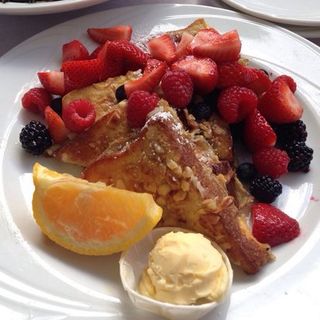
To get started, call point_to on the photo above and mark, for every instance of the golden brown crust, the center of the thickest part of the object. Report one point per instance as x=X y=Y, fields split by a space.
x=163 y=161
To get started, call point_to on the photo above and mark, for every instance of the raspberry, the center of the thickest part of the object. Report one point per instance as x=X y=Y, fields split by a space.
x=300 y=156
x=265 y=189
x=35 y=138
x=177 y=88
x=79 y=115
x=246 y=172
x=200 y=110
x=290 y=82
x=289 y=132
x=235 y=103
x=36 y=99
x=271 y=161
x=140 y=103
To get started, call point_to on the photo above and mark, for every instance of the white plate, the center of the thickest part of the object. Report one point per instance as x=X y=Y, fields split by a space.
x=43 y=7
x=304 y=13
x=39 y=280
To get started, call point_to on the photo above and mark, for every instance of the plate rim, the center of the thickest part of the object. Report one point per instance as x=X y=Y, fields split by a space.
x=290 y=21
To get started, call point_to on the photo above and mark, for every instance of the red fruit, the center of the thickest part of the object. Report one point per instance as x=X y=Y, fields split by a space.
x=290 y=82
x=36 y=99
x=220 y=48
x=79 y=115
x=257 y=132
x=261 y=84
x=126 y=54
x=148 y=81
x=101 y=35
x=203 y=72
x=52 y=81
x=271 y=161
x=82 y=73
x=271 y=225
x=151 y=65
x=235 y=74
x=183 y=46
x=96 y=51
x=162 y=48
x=278 y=104
x=204 y=36
x=177 y=88
x=56 y=126
x=140 y=103
x=236 y=103
x=74 y=50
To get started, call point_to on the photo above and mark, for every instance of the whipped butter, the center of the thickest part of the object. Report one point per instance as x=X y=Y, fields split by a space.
x=184 y=268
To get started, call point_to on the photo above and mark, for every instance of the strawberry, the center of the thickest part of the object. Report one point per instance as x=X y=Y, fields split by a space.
x=126 y=54
x=81 y=73
x=203 y=72
x=278 y=104
x=56 y=126
x=235 y=74
x=96 y=51
x=177 y=88
x=290 y=82
x=36 y=99
x=271 y=161
x=140 y=103
x=74 y=50
x=204 y=36
x=183 y=49
x=52 y=81
x=273 y=226
x=162 y=48
x=261 y=84
x=220 y=48
x=257 y=132
x=151 y=65
x=101 y=35
x=236 y=103
x=148 y=81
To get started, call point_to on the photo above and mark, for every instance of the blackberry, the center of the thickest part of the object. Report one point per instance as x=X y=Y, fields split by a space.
x=56 y=105
x=212 y=99
x=121 y=93
x=200 y=110
x=300 y=156
x=265 y=188
x=246 y=172
x=289 y=132
x=35 y=138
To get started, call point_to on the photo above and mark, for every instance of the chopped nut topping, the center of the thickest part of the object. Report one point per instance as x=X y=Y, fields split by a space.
x=163 y=189
x=179 y=196
x=185 y=185
x=187 y=172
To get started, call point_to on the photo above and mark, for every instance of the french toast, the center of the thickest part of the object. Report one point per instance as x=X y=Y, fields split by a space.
x=164 y=161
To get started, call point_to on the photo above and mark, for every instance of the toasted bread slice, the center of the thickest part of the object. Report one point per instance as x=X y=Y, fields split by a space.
x=192 y=28
x=165 y=162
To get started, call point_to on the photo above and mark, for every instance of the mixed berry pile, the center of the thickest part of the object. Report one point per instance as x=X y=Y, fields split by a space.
x=203 y=73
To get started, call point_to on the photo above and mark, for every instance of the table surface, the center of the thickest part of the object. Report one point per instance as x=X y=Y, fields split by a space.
x=15 y=29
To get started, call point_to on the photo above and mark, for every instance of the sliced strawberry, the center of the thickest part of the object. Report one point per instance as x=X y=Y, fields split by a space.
x=290 y=82
x=183 y=48
x=81 y=73
x=258 y=133
x=74 y=50
x=162 y=48
x=235 y=74
x=261 y=84
x=101 y=35
x=223 y=48
x=271 y=225
x=52 y=81
x=151 y=65
x=204 y=36
x=148 y=81
x=56 y=126
x=279 y=105
x=203 y=72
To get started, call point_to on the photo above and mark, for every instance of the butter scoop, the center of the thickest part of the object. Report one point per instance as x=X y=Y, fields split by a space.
x=133 y=264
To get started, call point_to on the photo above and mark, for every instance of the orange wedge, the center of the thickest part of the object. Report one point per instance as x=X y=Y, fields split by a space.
x=90 y=218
